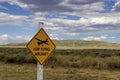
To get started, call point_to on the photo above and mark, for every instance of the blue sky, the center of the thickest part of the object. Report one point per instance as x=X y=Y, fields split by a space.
x=63 y=19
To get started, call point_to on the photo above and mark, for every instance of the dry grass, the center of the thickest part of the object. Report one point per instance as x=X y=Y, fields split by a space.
x=28 y=72
x=70 y=47
x=17 y=72
x=80 y=74
x=83 y=64
x=86 y=47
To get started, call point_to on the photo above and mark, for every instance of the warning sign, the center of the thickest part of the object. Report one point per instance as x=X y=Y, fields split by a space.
x=41 y=46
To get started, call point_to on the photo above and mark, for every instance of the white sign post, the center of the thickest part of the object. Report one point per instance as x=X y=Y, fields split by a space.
x=39 y=66
x=39 y=71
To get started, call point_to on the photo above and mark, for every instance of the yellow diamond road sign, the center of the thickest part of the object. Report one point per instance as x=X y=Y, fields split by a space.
x=41 y=46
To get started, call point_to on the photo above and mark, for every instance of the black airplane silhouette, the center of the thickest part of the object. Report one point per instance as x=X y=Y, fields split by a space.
x=40 y=42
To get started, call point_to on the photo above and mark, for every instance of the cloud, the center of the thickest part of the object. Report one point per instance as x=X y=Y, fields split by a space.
x=105 y=20
x=54 y=36
x=65 y=26
x=91 y=19
x=67 y=7
x=86 y=24
x=83 y=2
x=22 y=38
x=5 y=39
x=91 y=38
x=46 y=6
x=116 y=7
x=98 y=24
x=59 y=6
x=8 y=19
x=71 y=34
x=16 y=2
x=76 y=7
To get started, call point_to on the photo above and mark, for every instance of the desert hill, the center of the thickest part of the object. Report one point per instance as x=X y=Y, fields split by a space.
x=76 y=44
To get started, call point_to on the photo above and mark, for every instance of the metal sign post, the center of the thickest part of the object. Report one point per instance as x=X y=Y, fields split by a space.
x=39 y=71
x=39 y=66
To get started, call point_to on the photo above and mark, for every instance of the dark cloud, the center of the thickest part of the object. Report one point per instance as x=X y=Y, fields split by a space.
x=55 y=8
x=42 y=2
x=117 y=7
x=105 y=27
x=82 y=2
x=95 y=28
x=47 y=6
x=57 y=5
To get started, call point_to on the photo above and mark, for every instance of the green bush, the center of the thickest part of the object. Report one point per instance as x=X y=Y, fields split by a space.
x=10 y=58
x=113 y=62
x=80 y=58
x=2 y=56
x=30 y=59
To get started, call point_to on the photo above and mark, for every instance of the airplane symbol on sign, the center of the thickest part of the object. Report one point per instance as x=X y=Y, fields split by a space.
x=40 y=42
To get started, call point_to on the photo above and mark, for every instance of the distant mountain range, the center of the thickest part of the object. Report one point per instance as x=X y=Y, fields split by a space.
x=77 y=44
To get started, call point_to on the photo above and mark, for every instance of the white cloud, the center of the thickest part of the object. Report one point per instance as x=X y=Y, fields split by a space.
x=19 y=37
x=8 y=19
x=88 y=11
x=71 y=34
x=54 y=36
x=65 y=26
x=104 y=23
x=100 y=38
x=77 y=7
x=17 y=2
x=5 y=39
x=22 y=38
x=105 y=20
